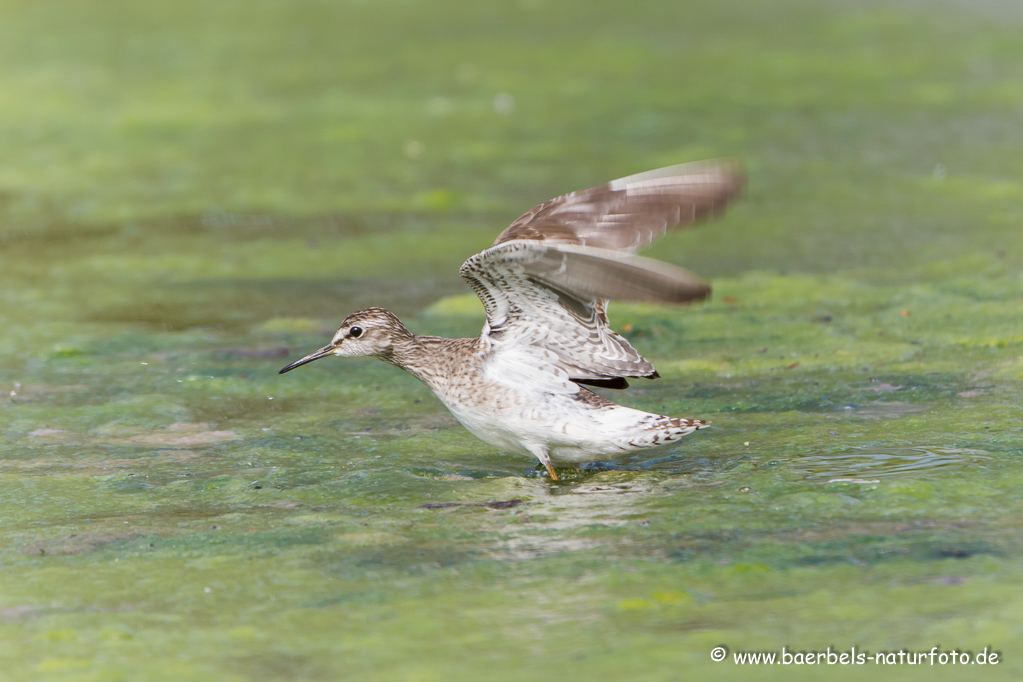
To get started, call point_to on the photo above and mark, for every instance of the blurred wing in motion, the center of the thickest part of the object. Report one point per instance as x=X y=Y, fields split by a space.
x=631 y=213
x=548 y=277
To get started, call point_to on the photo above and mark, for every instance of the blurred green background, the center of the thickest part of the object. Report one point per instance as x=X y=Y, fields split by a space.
x=193 y=194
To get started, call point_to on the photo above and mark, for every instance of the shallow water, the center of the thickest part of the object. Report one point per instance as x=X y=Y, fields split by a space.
x=192 y=195
x=881 y=462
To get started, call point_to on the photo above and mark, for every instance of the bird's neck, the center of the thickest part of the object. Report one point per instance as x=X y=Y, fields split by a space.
x=431 y=359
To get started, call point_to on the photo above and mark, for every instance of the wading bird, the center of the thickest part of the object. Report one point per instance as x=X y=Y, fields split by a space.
x=545 y=284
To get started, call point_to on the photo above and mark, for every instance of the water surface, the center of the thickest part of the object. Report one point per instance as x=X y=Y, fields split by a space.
x=194 y=194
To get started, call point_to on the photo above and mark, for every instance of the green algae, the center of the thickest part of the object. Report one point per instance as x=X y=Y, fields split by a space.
x=191 y=195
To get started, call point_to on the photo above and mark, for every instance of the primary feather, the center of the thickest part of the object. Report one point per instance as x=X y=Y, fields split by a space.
x=548 y=278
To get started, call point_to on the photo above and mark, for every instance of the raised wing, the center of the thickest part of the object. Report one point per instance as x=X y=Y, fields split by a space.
x=630 y=213
x=546 y=281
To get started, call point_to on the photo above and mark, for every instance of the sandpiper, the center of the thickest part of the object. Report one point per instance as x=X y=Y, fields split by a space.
x=545 y=284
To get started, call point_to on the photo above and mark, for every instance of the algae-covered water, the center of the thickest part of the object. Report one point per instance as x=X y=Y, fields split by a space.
x=193 y=194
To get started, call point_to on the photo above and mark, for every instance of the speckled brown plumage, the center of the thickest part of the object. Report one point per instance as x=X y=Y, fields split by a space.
x=545 y=285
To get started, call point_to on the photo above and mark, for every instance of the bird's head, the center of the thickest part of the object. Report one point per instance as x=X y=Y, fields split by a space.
x=369 y=332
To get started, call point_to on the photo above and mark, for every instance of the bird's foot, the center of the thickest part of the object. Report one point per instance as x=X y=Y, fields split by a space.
x=545 y=459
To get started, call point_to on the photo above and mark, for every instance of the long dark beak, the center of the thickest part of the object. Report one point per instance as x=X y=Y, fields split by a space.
x=322 y=353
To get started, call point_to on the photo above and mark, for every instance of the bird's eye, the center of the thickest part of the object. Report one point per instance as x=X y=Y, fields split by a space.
x=355 y=332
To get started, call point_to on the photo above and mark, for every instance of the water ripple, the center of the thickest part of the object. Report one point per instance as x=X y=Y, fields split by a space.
x=869 y=463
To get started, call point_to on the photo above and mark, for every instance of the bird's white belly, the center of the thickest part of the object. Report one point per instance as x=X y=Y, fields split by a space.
x=569 y=430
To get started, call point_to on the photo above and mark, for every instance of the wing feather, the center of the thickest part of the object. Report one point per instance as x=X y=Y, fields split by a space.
x=546 y=281
x=630 y=213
